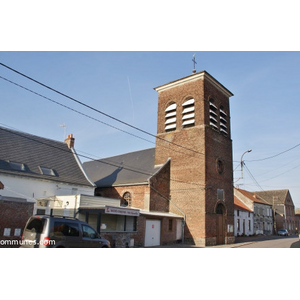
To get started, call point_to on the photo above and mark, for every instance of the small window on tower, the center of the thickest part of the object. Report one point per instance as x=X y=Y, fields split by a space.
x=170 y=117
x=188 y=113
x=220 y=194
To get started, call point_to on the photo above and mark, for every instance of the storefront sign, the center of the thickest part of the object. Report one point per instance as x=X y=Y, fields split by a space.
x=122 y=211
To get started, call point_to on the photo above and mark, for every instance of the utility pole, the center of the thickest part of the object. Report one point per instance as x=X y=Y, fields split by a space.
x=242 y=165
x=274 y=216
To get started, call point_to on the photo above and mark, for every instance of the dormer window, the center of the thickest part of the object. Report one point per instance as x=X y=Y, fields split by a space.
x=17 y=166
x=188 y=113
x=170 y=117
x=47 y=171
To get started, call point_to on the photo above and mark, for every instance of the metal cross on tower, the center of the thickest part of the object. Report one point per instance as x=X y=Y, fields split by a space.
x=194 y=61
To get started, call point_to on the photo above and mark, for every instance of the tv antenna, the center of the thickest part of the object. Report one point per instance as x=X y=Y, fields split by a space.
x=65 y=128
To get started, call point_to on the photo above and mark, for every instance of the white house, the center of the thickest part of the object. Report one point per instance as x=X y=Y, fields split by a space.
x=243 y=219
x=262 y=211
x=37 y=169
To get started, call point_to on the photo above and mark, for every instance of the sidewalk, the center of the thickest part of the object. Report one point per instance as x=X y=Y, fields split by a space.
x=239 y=241
x=244 y=240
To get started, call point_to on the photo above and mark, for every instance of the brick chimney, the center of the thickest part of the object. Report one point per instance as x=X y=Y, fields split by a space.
x=70 y=141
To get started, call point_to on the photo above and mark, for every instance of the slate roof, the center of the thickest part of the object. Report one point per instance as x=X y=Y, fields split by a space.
x=33 y=152
x=130 y=168
x=279 y=196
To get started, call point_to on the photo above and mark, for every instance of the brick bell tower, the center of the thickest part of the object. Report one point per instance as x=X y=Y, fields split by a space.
x=193 y=130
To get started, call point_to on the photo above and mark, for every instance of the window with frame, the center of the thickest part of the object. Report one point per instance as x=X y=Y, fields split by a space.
x=118 y=223
x=47 y=171
x=170 y=117
x=220 y=194
x=17 y=166
x=126 y=200
x=89 y=232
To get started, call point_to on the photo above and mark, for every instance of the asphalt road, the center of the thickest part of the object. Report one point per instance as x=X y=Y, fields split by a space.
x=280 y=242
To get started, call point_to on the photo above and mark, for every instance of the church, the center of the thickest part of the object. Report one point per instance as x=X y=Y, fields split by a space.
x=183 y=188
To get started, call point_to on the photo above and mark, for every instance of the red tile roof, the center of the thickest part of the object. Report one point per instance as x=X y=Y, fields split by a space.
x=240 y=205
x=251 y=196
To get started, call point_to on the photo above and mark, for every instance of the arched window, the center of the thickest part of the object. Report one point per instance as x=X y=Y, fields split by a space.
x=170 y=117
x=126 y=200
x=188 y=113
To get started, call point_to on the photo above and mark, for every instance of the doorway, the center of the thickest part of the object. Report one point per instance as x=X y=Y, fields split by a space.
x=152 y=233
x=220 y=224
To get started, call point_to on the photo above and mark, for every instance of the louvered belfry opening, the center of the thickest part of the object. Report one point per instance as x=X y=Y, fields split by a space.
x=213 y=115
x=170 y=117
x=223 y=121
x=188 y=113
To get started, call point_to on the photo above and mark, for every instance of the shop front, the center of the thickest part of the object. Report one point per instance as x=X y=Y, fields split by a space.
x=117 y=224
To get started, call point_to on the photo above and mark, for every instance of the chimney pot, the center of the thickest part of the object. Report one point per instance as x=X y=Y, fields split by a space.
x=70 y=141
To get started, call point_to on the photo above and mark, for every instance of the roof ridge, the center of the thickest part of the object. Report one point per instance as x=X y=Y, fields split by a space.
x=109 y=157
x=20 y=133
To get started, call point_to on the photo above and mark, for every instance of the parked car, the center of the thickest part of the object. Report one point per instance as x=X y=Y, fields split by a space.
x=283 y=232
x=43 y=231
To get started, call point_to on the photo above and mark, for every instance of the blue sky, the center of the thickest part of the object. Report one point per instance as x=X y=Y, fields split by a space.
x=264 y=108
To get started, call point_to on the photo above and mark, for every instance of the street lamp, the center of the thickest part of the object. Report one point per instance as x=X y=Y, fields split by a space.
x=242 y=162
x=242 y=165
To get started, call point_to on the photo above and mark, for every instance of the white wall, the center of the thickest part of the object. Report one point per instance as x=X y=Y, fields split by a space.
x=243 y=216
x=32 y=189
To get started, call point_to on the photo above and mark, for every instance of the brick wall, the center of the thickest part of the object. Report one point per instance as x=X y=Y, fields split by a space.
x=13 y=214
x=140 y=194
x=160 y=190
x=145 y=198
x=194 y=176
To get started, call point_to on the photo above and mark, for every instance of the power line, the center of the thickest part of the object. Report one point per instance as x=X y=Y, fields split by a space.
x=282 y=173
x=85 y=115
x=275 y=154
x=253 y=177
x=97 y=110
x=81 y=103
x=26 y=136
x=72 y=109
